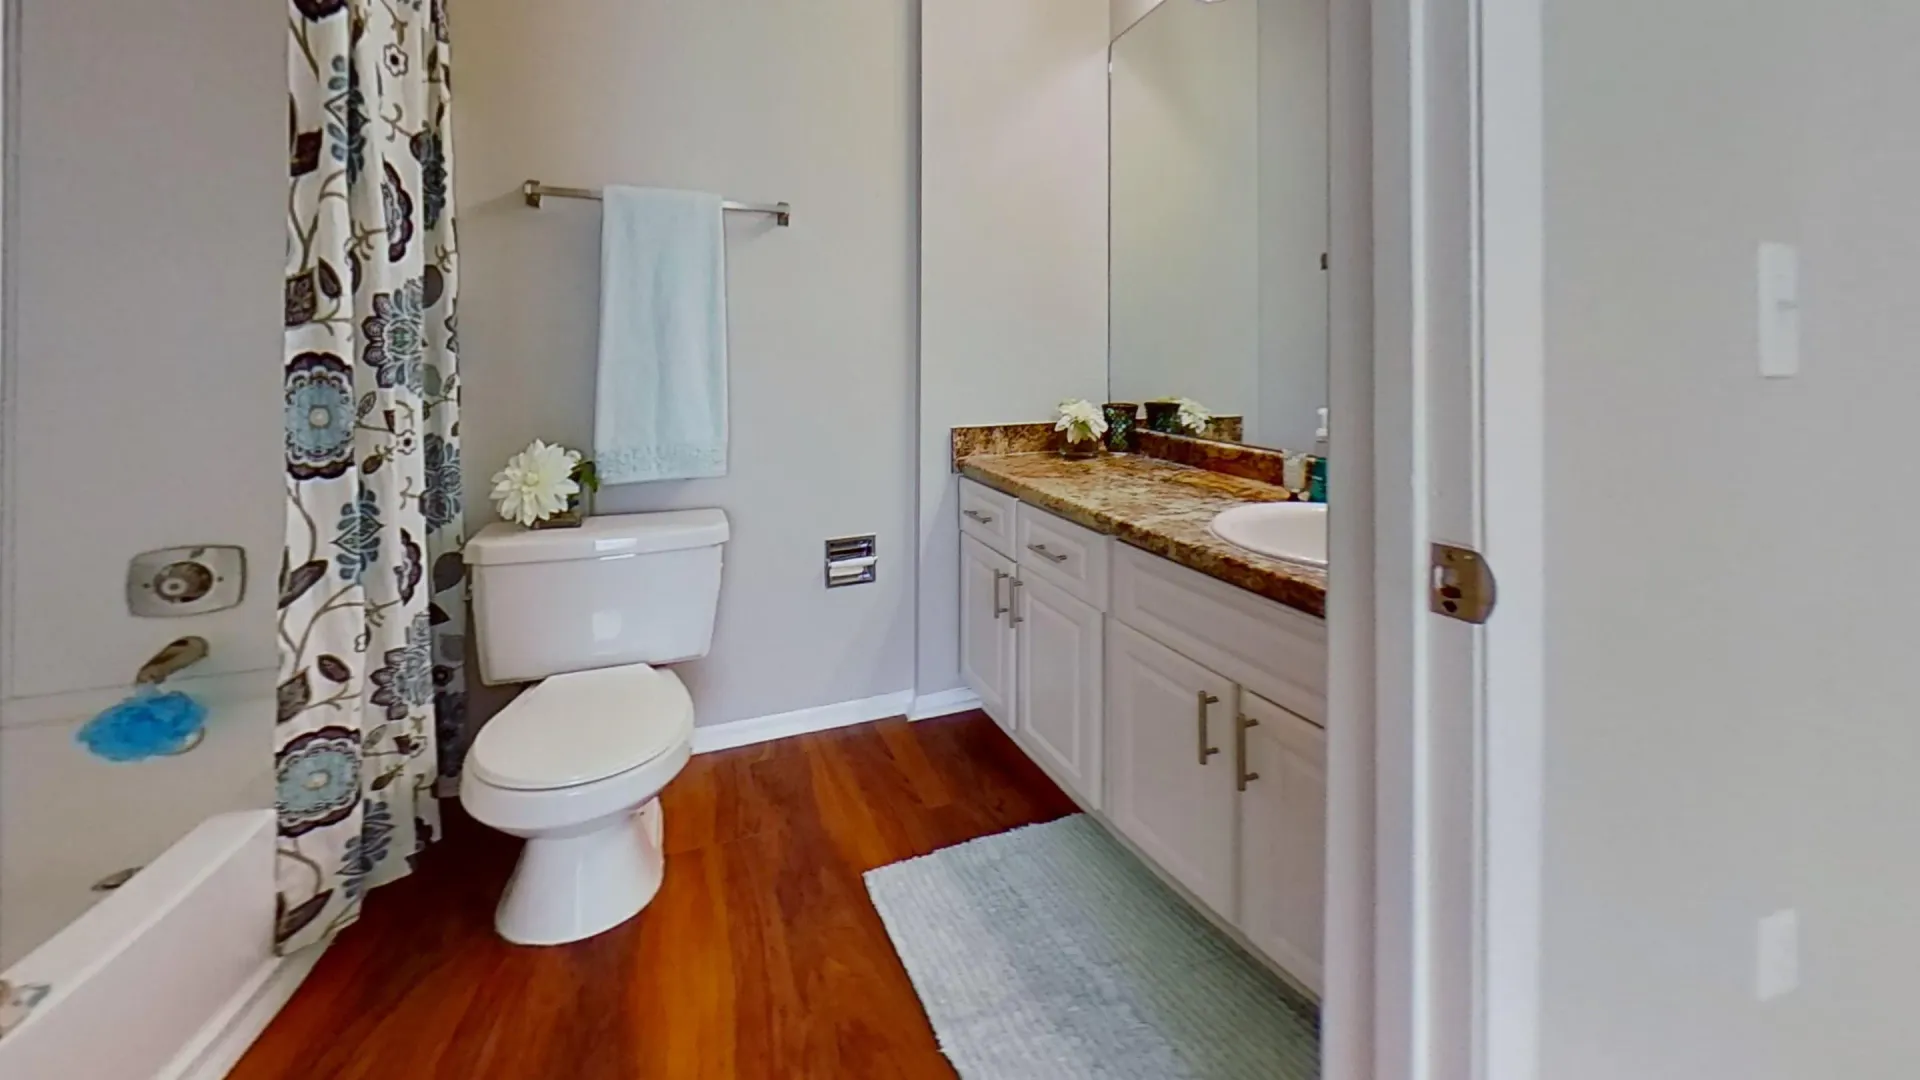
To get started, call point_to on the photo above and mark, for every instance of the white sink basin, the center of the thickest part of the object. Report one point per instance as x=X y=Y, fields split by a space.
x=1293 y=531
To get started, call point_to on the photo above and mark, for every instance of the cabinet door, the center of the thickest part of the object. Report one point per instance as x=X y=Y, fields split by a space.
x=986 y=632
x=1059 y=673
x=1165 y=791
x=1283 y=833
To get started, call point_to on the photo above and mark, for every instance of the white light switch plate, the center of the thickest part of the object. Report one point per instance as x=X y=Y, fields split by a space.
x=1779 y=311
x=1777 y=961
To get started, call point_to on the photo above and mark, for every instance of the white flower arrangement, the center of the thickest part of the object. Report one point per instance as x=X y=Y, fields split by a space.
x=1081 y=420
x=1193 y=416
x=537 y=483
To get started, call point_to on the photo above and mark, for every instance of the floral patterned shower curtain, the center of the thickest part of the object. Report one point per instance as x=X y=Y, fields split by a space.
x=372 y=698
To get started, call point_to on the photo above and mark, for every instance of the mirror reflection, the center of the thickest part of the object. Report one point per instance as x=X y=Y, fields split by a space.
x=1219 y=216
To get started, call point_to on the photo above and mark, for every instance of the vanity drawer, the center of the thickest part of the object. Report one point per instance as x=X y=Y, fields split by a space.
x=1269 y=648
x=987 y=516
x=1076 y=559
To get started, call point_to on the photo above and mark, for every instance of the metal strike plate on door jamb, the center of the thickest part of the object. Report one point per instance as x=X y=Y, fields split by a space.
x=1460 y=584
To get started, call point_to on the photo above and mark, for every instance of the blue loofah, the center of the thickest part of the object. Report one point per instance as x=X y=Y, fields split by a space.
x=148 y=724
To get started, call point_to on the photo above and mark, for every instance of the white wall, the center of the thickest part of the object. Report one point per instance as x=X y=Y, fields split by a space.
x=146 y=243
x=1187 y=229
x=147 y=251
x=1122 y=14
x=1013 y=248
x=1731 y=603
x=1294 y=208
x=808 y=102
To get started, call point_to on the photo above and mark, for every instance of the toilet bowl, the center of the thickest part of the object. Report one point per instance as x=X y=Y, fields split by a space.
x=576 y=764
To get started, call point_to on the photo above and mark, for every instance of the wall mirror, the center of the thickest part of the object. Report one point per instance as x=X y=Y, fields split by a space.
x=1219 y=187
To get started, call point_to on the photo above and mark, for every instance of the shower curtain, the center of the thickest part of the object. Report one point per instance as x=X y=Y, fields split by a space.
x=372 y=696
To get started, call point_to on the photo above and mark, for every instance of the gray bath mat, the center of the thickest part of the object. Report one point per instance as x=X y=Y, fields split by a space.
x=1049 y=953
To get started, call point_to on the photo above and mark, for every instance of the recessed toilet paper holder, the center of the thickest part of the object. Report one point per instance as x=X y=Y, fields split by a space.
x=852 y=560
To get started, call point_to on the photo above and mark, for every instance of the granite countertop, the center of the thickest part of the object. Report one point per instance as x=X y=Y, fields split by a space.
x=1156 y=506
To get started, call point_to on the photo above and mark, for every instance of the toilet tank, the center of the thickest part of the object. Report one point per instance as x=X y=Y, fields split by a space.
x=622 y=589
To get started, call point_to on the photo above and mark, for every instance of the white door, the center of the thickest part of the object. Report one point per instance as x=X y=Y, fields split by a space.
x=1059 y=674
x=986 y=628
x=1170 y=786
x=1283 y=837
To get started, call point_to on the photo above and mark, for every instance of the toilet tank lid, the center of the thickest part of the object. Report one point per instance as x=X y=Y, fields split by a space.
x=504 y=542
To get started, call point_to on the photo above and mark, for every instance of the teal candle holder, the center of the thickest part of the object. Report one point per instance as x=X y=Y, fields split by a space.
x=1121 y=417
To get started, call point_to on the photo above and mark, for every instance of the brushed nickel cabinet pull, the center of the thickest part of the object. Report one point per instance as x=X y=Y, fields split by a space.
x=1013 y=603
x=998 y=577
x=984 y=519
x=1041 y=550
x=1206 y=751
x=1240 y=752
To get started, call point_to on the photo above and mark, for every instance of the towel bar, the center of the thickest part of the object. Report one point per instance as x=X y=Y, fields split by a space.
x=535 y=191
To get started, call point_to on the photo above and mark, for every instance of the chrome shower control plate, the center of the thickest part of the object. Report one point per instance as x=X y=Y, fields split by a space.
x=173 y=582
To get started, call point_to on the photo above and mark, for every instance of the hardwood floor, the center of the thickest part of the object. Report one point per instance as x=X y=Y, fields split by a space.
x=761 y=957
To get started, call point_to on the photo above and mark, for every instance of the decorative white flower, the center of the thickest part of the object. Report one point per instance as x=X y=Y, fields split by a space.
x=536 y=483
x=1081 y=420
x=1193 y=416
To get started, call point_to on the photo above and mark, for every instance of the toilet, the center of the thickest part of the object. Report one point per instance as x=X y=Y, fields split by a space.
x=575 y=765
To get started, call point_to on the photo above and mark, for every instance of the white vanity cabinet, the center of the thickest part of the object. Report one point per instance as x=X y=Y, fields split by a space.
x=1265 y=792
x=1225 y=790
x=1033 y=632
x=1171 y=789
x=1182 y=711
x=987 y=633
x=1059 y=676
x=1283 y=836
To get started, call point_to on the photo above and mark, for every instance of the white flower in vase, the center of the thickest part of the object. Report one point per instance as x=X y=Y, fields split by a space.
x=1193 y=416
x=537 y=483
x=1081 y=420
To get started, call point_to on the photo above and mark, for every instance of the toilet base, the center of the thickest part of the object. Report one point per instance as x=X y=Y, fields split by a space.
x=566 y=888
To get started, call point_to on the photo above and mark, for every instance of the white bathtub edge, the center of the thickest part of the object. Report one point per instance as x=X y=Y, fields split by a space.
x=139 y=975
x=219 y=1046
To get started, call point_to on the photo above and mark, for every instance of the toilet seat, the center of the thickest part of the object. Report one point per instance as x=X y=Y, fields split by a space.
x=583 y=727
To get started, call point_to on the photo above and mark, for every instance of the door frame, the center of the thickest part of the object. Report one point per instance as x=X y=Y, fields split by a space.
x=1454 y=91
x=1350 y=958
x=1510 y=77
x=9 y=67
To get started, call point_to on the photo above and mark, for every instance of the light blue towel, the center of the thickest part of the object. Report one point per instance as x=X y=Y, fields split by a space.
x=660 y=409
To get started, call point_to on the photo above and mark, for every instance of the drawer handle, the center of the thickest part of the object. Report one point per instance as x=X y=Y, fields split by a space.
x=1206 y=751
x=1041 y=550
x=1013 y=603
x=984 y=519
x=998 y=577
x=1240 y=752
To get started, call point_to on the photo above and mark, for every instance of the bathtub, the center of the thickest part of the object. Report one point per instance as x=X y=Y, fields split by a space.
x=171 y=975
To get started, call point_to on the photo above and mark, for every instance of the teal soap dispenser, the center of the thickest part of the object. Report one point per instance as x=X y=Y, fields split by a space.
x=1317 y=472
